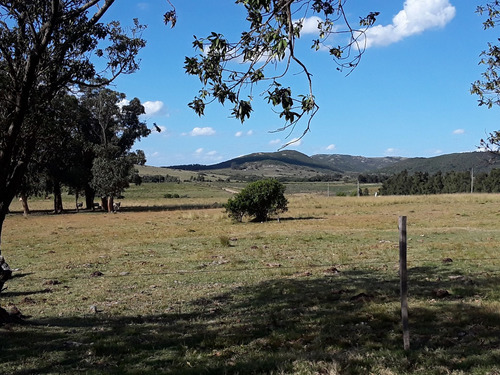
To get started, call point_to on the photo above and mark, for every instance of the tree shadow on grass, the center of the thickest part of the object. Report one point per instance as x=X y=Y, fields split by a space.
x=344 y=323
x=7 y=294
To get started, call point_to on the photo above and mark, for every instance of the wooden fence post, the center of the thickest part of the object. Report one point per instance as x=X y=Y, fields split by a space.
x=403 y=275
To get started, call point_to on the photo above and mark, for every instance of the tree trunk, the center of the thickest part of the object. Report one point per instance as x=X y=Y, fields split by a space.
x=5 y=271
x=104 y=203
x=89 y=198
x=110 y=204
x=58 y=206
x=24 y=200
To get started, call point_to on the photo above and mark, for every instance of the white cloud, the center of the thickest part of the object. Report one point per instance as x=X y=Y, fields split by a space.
x=459 y=131
x=238 y=134
x=211 y=153
x=309 y=25
x=123 y=103
x=250 y=132
x=199 y=150
x=153 y=108
x=330 y=147
x=416 y=17
x=202 y=132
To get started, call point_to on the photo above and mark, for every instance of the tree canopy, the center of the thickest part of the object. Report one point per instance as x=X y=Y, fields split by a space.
x=230 y=71
x=259 y=200
x=488 y=88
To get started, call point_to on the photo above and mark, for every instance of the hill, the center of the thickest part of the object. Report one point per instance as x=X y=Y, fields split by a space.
x=458 y=162
x=357 y=164
x=292 y=165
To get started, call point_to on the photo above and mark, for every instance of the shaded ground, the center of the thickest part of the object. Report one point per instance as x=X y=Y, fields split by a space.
x=345 y=322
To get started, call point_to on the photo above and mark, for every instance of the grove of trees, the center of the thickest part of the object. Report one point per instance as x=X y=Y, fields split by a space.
x=47 y=49
x=448 y=183
x=93 y=134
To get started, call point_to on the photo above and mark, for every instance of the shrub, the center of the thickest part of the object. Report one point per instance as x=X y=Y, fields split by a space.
x=260 y=199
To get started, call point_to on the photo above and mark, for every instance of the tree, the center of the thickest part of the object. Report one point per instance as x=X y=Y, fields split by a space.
x=260 y=199
x=488 y=88
x=113 y=129
x=267 y=44
x=47 y=46
x=139 y=157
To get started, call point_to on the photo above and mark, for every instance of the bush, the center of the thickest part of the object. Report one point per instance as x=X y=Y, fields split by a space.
x=260 y=199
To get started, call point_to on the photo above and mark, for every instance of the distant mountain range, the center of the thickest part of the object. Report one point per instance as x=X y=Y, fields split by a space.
x=295 y=164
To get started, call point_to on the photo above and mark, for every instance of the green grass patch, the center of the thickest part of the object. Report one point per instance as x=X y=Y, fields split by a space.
x=187 y=291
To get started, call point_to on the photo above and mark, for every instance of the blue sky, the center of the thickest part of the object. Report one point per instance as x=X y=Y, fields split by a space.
x=410 y=95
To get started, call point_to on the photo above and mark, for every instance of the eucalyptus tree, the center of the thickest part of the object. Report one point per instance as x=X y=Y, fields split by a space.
x=112 y=129
x=47 y=46
x=488 y=87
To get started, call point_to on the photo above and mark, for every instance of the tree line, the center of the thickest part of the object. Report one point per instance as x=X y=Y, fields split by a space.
x=448 y=183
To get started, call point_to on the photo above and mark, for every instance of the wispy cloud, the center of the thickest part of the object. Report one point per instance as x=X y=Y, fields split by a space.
x=391 y=151
x=295 y=142
x=241 y=134
x=416 y=17
x=275 y=142
x=207 y=156
x=459 y=131
x=206 y=131
x=330 y=147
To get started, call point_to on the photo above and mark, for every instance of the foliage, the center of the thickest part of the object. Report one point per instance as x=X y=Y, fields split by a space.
x=160 y=178
x=110 y=177
x=273 y=29
x=488 y=88
x=260 y=199
x=112 y=130
x=47 y=47
x=451 y=182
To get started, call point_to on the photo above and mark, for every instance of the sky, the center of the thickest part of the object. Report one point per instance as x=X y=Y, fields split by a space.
x=409 y=96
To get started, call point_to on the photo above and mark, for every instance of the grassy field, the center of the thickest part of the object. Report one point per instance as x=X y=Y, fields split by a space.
x=162 y=288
